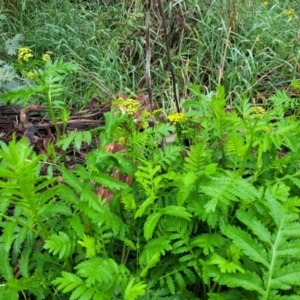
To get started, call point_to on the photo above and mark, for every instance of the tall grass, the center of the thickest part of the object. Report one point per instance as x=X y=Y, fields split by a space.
x=250 y=48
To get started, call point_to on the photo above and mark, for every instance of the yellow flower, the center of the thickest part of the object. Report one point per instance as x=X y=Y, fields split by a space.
x=46 y=57
x=259 y=112
x=144 y=119
x=30 y=75
x=265 y=3
x=176 y=118
x=290 y=12
x=129 y=106
x=121 y=140
x=24 y=54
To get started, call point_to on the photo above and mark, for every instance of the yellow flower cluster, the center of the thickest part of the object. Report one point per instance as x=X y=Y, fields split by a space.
x=129 y=105
x=200 y=138
x=265 y=129
x=265 y=3
x=30 y=75
x=259 y=112
x=290 y=12
x=46 y=57
x=144 y=119
x=24 y=54
x=177 y=118
x=121 y=140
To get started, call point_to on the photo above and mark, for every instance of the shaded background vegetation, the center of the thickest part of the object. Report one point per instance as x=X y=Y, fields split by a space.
x=250 y=47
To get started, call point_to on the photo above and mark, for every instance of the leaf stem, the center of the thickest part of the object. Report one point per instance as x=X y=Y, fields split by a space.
x=53 y=117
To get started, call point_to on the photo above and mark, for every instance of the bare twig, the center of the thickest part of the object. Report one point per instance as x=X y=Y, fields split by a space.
x=148 y=55
x=221 y=70
x=161 y=11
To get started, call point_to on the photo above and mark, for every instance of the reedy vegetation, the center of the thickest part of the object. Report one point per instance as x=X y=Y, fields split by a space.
x=108 y=41
x=219 y=220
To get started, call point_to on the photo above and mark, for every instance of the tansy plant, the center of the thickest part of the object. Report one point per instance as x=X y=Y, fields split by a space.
x=132 y=108
x=147 y=222
x=126 y=106
x=246 y=138
x=47 y=83
x=187 y=127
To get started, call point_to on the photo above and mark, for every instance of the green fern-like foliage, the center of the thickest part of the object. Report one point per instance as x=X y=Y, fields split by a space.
x=235 y=146
x=60 y=244
x=219 y=192
x=198 y=158
x=133 y=291
x=23 y=186
x=225 y=188
x=272 y=251
x=99 y=278
x=78 y=138
x=282 y=103
x=171 y=259
x=22 y=225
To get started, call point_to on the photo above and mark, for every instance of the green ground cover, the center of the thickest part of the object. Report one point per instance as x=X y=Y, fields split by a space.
x=197 y=204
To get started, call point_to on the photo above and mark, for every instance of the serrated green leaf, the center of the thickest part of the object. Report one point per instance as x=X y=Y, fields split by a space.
x=88 y=242
x=235 y=145
x=71 y=180
x=249 y=281
x=186 y=187
x=150 y=224
x=78 y=291
x=190 y=274
x=60 y=244
x=134 y=290
x=77 y=225
x=78 y=140
x=185 y=258
x=24 y=262
x=98 y=270
x=171 y=285
x=208 y=242
x=255 y=226
x=67 y=279
x=5 y=268
x=89 y=295
x=247 y=244
x=8 y=235
x=287 y=276
x=150 y=200
x=150 y=264
x=65 y=142
x=87 y=136
x=177 y=211
x=224 y=265
x=180 y=280
x=108 y=181
x=130 y=244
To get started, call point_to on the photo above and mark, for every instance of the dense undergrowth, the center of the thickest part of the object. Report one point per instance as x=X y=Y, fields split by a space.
x=216 y=220
x=201 y=204
x=250 y=47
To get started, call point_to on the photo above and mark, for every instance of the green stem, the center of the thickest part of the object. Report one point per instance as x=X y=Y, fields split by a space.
x=123 y=254
x=243 y=166
x=19 y=223
x=49 y=101
x=52 y=113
